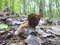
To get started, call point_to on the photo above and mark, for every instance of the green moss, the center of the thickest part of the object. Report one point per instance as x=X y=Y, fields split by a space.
x=3 y=26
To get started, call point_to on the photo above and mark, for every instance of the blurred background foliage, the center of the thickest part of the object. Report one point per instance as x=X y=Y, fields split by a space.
x=46 y=8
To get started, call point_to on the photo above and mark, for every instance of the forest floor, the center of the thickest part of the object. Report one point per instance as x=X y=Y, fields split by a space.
x=48 y=28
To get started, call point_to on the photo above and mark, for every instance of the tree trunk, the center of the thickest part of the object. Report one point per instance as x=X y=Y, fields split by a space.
x=41 y=8
x=24 y=7
x=50 y=6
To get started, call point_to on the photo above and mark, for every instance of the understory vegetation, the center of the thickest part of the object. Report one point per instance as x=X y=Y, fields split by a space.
x=50 y=8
